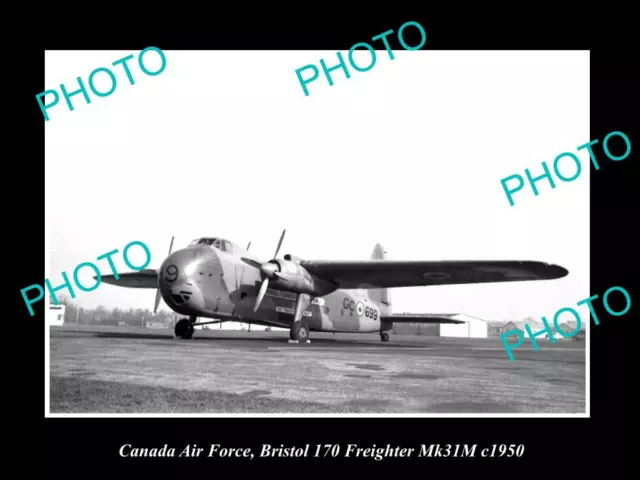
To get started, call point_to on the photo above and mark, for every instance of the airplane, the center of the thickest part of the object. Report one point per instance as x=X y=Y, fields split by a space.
x=217 y=280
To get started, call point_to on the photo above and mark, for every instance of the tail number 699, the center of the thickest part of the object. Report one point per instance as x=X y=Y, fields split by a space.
x=371 y=313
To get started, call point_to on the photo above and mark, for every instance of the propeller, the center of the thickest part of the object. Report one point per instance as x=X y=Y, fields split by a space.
x=268 y=270
x=158 y=294
x=242 y=274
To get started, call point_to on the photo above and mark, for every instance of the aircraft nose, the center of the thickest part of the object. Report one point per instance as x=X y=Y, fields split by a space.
x=176 y=278
x=178 y=266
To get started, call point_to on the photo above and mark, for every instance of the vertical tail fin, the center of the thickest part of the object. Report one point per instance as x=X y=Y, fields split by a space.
x=378 y=253
x=380 y=295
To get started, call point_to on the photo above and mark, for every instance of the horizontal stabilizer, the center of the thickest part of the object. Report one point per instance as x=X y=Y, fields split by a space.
x=147 y=278
x=422 y=318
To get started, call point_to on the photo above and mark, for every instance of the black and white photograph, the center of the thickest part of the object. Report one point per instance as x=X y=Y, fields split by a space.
x=400 y=243
x=279 y=232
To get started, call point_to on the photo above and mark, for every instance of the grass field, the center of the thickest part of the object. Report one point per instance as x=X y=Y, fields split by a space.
x=137 y=370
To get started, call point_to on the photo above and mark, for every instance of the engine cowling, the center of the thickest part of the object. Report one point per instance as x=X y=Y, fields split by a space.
x=292 y=276
x=291 y=258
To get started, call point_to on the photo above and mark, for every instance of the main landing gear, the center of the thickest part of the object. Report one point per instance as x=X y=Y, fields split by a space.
x=184 y=328
x=384 y=336
x=299 y=331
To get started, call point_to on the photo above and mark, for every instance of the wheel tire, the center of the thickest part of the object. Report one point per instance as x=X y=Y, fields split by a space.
x=299 y=332
x=184 y=329
x=384 y=336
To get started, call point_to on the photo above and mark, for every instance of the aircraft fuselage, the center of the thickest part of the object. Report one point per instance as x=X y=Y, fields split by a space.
x=200 y=281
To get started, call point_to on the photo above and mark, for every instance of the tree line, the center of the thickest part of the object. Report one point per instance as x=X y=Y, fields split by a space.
x=135 y=317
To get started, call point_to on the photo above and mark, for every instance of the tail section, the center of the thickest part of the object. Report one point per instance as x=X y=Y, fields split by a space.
x=380 y=295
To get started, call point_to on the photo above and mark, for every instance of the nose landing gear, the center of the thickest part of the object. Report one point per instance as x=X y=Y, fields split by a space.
x=384 y=336
x=184 y=328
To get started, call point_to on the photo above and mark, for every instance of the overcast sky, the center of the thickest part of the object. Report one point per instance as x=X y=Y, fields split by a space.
x=409 y=154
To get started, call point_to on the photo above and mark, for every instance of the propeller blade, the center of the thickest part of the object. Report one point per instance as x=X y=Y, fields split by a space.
x=248 y=246
x=158 y=294
x=280 y=243
x=263 y=290
x=251 y=262
x=158 y=297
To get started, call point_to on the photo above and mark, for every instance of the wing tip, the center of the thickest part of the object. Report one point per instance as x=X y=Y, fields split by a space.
x=108 y=279
x=558 y=271
x=545 y=270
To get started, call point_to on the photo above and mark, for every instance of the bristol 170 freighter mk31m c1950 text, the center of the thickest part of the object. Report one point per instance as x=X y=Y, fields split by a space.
x=216 y=280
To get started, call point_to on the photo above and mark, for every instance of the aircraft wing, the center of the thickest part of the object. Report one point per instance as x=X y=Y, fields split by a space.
x=421 y=318
x=392 y=273
x=147 y=278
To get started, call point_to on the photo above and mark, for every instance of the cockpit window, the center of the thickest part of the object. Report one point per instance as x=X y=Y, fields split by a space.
x=210 y=241
x=219 y=243
x=202 y=241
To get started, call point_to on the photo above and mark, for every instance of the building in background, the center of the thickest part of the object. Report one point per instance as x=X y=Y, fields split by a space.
x=426 y=329
x=228 y=325
x=511 y=326
x=568 y=328
x=243 y=327
x=472 y=327
x=581 y=336
x=55 y=315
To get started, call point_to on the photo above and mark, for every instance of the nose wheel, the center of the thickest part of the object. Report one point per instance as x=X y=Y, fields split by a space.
x=184 y=329
x=384 y=336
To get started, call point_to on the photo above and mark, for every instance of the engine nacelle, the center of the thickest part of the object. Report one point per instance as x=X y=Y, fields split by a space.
x=296 y=279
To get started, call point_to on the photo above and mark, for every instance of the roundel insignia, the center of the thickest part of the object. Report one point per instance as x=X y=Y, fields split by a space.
x=435 y=276
x=360 y=309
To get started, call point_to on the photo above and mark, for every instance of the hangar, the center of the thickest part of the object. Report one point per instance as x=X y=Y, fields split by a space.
x=472 y=327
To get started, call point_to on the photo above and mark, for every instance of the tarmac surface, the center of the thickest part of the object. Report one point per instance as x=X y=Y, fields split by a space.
x=97 y=369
